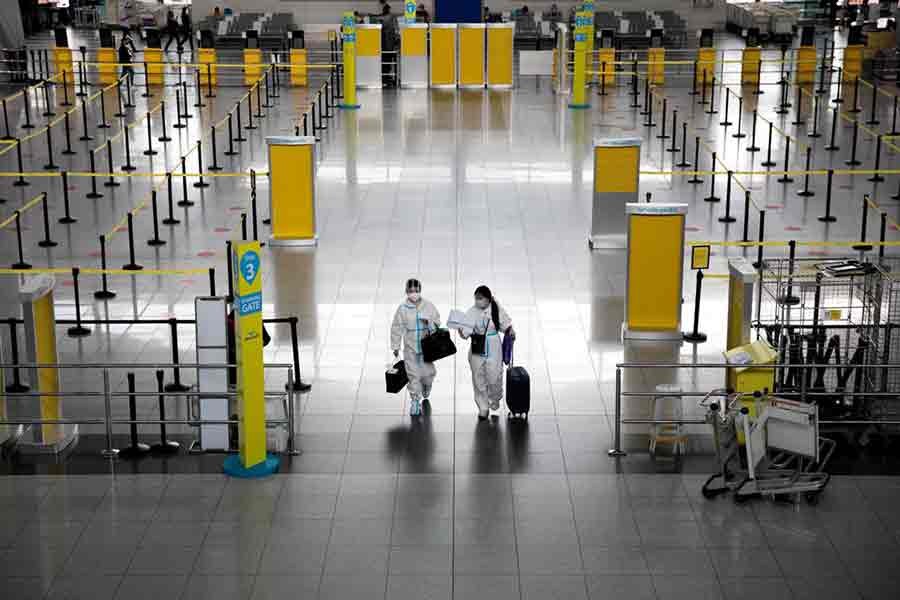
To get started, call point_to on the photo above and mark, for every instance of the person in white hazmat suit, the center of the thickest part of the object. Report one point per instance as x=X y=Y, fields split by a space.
x=486 y=349
x=415 y=318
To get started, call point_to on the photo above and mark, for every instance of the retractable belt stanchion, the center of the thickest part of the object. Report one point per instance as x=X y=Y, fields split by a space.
x=184 y=202
x=769 y=162
x=712 y=182
x=21 y=181
x=785 y=177
x=684 y=163
x=47 y=242
x=739 y=134
x=863 y=246
x=806 y=192
x=20 y=265
x=162 y=115
x=67 y=218
x=727 y=218
x=695 y=179
x=745 y=237
x=877 y=177
x=104 y=293
x=111 y=180
x=828 y=217
x=170 y=219
x=155 y=240
x=852 y=161
x=753 y=147
x=165 y=445
x=149 y=151
x=135 y=449
x=93 y=194
x=132 y=264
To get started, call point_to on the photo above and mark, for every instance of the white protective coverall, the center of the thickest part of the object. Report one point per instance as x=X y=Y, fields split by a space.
x=487 y=368
x=409 y=325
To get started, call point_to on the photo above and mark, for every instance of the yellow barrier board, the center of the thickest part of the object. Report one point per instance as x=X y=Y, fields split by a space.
x=806 y=65
x=853 y=60
x=413 y=41
x=45 y=352
x=751 y=59
x=249 y=344
x=62 y=62
x=499 y=55
x=207 y=56
x=606 y=59
x=471 y=55
x=106 y=69
x=292 y=190
x=656 y=66
x=252 y=65
x=368 y=42
x=616 y=168
x=153 y=58
x=298 y=67
x=706 y=64
x=443 y=55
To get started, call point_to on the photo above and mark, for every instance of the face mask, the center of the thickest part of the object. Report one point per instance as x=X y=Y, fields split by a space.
x=482 y=303
x=413 y=296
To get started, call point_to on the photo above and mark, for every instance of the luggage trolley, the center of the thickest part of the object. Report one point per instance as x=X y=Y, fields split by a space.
x=784 y=452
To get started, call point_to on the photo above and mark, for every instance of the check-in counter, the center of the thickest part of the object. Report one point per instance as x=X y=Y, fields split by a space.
x=414 y=55
x=500 y=55
x=368 y=55
x=443 y=55
x=471 y=55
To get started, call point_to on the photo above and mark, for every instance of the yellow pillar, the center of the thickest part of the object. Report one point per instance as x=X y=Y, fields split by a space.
x=654 y=271
x=348 y=35
x=298 y=67
x=209 y=71
x=706 y=63
x=617 y=163
x=252 y=460
x=806 y=64
x=153 y=57
x=588 y=8
x=500 y=55
x=656 y=66
x=750 y=61
x=106 y=57
x=471 y=55
x=443 y=55
x=579 y=81
x=292 y=190
x=62 y=60
x=252 y=65
x=852 y=63
x=606 y=59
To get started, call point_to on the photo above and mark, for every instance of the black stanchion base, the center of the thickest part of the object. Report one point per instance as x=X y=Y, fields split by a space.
x=752 y=148
x=714 y=111
x=176 y=387
x=876 y=178
x=695 y=180
x=781 y=111
x=230 y=153
x=67 y=220
x=673 y=150
x=120 y=115
x=17 y=388
x=263 y=116
x=712 y=199
x=168 y=221
x=683 y=165
x=768 y=163
x=164 y=139
x=150 y=152
x=650 y=124
x=788 y=300
x=111 y=184
x=214 y=168
x=726 y=123
x=785 y=180
x=814 y=135
x=739 y=135
x=852 y=163
x=103 y=125
x=267 y=221
x=727 y=219
x=797 y=122
x=240 y=138
x=132 y=267
x=130 y=105
x=832 y=148
x=47 y=244
x=48 y=114
x=854 y=110
x=249 y=127
x=51 y=167
x=694 y=337
x=136 y=451
x=662 y=136
x=20 y=266
x=104 y=295
x=828 y=219
x=86 y=138
x=179 y=126
x=21 y=183
x=187 y=116
x=128 y=168
x=758 y=92
x=93 y=195
x=166 y=447
x=78 y=331
x=806 y=193
x=184 y=203
x=69 y=153
x=156 y=242
x=299 y=386
x=201 y=184
x=27 y=126
x=861 y=247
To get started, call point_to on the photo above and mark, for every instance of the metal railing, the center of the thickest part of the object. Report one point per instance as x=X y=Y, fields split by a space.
x=108 y=395
x=804 y=394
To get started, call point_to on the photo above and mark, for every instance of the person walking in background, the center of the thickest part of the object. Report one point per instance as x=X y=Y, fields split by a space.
x=187 y=28
x=486 y=349
x=126 y=55
x=413 y=320
x=171 y=30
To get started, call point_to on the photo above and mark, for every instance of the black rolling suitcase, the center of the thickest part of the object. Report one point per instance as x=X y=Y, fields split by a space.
x=518 y=391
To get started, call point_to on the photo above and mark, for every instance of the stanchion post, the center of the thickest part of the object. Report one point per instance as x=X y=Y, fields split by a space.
x=785 y=177
x=769 y=162
x=200 y=183
x=16 y=387
x=727 y=218
x=815 y=120
x=149 y=151
x=852 y=161
x=27 y=105
x=231 y=151
x=806 y=192
x=725 y=122
x=111 y=180
x=673 y=148
x=893 y=116
x=739 y=134
x=93 y=194
x=712 y=98
x=170 y=219
x=695 y=336
x=176 y=385
x=178 y=124
x=684 y=163
x=20 y=182
x=753 y=147
x=789 y=298
x=67 y=218
x=135 y=449
x=85 y=137
x=832 y=146
x=68 y=151
x=877 y=177
x=104 y=292
x=147 y=93
x=828 y=217
x=298 y=384
x=882 y=235
x=746 y=234
x=132 y=263
x=798 y=118
x=165 y=130
x=155 y=240
x=184 y=202
x=50 y=166
x=856 y=107
x=21 y=265
x=712 y=181
x=165 y=445
x=78 y=330
x=759 y=264
x=662 y=134
x=695 y=179
x=863 y=246
x=126 y=134
x=47 y=242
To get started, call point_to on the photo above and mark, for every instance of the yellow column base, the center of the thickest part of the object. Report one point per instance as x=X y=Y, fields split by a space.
x=853 y=59
x=299 y=76
x=62 y=62
x=750 y=61
x=210 y=74
x=806 y=65
x=706 y=64
x=252 y=65
x=606 y=57
x=656 y=68
x=155 y=67
x=106 y=70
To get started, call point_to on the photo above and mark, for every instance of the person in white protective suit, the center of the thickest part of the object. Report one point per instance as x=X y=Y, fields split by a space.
x=414 y=319
x=486 y=349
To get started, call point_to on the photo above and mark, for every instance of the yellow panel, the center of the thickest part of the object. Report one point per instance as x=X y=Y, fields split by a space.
x=853 y=57
x=413 y=41
x=106 y=57
x=606 y=57
x=298 y=67
x=62 y=59
x=443 y=56
x=208 y=56
x=654 y=271
x=750 y=60
x=368 y=42
x=806 y=64
x=616 y=169
x=156 y=66
x=471 y=56
x=293 y=208
x=706 y=63
x=249 y=337
x=252 y=65
x=656 y=68
x=736 y=305
x=45 y=353
x=500 y=56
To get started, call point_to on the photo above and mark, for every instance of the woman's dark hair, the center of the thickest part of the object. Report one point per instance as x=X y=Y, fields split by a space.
x=413 y=284
x=485 y=292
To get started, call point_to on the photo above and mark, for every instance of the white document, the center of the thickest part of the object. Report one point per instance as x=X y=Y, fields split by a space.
x=458 y=320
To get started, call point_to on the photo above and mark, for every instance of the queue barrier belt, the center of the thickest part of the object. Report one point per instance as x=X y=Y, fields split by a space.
x=91 y=271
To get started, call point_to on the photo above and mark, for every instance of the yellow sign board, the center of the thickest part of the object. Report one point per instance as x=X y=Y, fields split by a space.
x=699 y=257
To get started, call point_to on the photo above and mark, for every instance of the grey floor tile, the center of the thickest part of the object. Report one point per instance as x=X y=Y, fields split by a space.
x=553 y=587
x=353 y=587
x=301 y=558
x=882 y=588
x=218 y=587
x=419 y=587
x=176 y=534
x=476 y=531
x=744 y=562
x=678 y=561
x=623 y=587
x=362 y=532
x=44 y=562
x=92 y=559
x=163 y=560
x=113 y=532
x=680 y=587
x=421 y=560
x=731 y=532
x=547 y=559
x=608 y=532
x=614 y=560
x=483 y=559
x=547 y=531
x=747 y=588
x=84 y=587
x=278 y=587
x=237 y=533
x=313 y=506
x=228 y=559
x=286 y=532
x=663 y=533
x=414 y=532
x=497 y=587
x=351 y=559
x=25 y=588
x=806 y=564
x=795 y=537
x=823 y=587
x=151 y=587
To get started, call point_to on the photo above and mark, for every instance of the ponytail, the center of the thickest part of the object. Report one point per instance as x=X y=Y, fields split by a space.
x=485 y=292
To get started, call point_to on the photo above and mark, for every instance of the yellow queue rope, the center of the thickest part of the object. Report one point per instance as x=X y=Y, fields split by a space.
x=28 y=205
x=11 y=97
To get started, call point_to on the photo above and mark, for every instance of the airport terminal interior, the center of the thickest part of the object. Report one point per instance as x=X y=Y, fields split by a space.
x=682 y=384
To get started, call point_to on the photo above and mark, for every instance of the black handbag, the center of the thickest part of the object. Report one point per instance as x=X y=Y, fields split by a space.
x=437 y=345
x=395 y=378
x=479 y=341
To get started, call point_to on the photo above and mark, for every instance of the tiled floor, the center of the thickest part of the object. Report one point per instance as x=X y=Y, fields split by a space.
x=457 y=188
